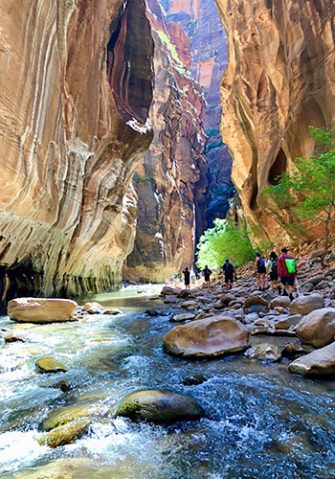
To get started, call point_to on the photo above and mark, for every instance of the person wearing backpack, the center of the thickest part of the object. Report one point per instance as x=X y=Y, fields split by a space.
x=272 y=269
x=287 y=271
x=229 y=272
x=260 y=265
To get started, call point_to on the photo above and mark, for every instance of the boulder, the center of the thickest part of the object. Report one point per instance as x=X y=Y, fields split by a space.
x=264 y=352
x=65 y=434
x=67 y=414
x=159 y=407
x=318 y=327
x=306 y=304
x=169 y=290
x=189 y=305
x=183 y=317
x=282 y=323
x=93 y=308
x=255 y=304
x=50 y=365
x=318 y=363
x=41 y=310
x=208 y=337
x=281 y=301
x=185 y=293
x=227 y=298
x=293 y=350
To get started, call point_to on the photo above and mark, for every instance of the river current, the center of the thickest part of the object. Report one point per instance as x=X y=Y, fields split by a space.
x=261 y=422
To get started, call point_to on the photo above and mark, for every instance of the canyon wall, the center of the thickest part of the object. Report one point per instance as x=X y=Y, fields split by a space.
x=280 y=80
x=76 y=88
x=171 y=183
x=208 y=61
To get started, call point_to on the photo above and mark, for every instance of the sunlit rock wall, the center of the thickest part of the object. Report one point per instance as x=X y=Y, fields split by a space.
x=201 y=22
x=171 y=184
x=73 y=126
x=280 y=80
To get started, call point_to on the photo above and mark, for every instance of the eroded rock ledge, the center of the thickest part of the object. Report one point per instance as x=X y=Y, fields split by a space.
x=280 y=80
x=74 y=124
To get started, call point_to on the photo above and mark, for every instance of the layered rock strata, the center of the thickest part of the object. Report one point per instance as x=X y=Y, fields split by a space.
x=171 y=183
x=76 y=90
x=280 y=80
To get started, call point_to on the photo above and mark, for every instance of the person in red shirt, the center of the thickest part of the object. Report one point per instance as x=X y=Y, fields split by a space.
x=287 y=278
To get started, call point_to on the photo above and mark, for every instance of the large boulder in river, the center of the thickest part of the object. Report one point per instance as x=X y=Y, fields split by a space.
x=65 y=434
x=169 y=290
x=208 y=337
x=318 y=363
x=318 y=327
x=159 y=407
x=41 y=310
x=307 y=304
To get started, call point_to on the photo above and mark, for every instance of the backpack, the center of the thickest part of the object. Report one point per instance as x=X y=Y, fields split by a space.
x=290 y=265
x=228 y=268
x=261 y=263
x=274 y=266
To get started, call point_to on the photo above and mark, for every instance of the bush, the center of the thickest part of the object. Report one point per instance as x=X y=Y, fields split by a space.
x=225 y=240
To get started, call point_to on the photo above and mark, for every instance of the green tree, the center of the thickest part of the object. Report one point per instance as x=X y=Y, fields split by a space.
x=309 y=190
x=224 y=240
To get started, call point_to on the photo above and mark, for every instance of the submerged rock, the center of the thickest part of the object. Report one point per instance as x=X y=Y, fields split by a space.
x=307 y=304
x=159 y=407
x=264 y=352
x=65 y=434
x=68 y=414
x=14 y=339
x=208 y=337
x=318 y=363
x=50 y=365
x=41 y=310
x=93 y=308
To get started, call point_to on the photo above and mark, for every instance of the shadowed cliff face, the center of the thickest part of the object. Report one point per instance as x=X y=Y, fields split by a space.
x=280 y=80
x=171 y=183
x=73 y=129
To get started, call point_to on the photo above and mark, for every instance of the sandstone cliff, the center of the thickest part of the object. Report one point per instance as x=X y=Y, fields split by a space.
x=76 y=87
x=280 y=80
x=171 y=183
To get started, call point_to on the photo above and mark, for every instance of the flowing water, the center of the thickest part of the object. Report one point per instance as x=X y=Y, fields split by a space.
x=260 y=421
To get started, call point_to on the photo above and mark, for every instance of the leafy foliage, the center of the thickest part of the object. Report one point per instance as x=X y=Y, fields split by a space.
x=310 y=189
x=225 y=240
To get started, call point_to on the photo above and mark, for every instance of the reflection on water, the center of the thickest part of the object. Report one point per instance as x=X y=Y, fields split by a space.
x=260 y=421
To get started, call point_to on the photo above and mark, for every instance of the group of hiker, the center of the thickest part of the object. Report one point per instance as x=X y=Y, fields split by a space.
x=280 y=272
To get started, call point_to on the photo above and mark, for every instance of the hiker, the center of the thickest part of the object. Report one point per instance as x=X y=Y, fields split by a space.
x=260 y=266
x=187 y=278
x=287 y=272
x=207 y=275
x=272 y=269
x=229 y=272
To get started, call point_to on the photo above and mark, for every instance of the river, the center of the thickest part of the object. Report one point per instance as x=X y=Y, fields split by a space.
x=261 y=422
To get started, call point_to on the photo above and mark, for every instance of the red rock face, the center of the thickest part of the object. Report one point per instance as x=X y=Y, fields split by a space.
x=279 y=81
x=172 y=182
x=207 y=43
x=72 y=133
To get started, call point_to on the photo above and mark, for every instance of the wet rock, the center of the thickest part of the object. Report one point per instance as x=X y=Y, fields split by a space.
x=189 y=305
x=320 y=363
x=282 y=324
x=113 y=312
x=264 y=352
x=50 y=365
x=293 y=350
x=255 y=304
x=281 y=301
x=93 y=308
x=210 y=337
x=227 y=298
x=159 y=407
x=66 y=434
x=183 y=317
x=194 y=380
x=41 y=310
x=318 y=327
x=306 y=304
x=218 y=305
x=171 y=300
x=13 y=339
x=64 y=386
x=185 y=293
x=152 y=313
x=68 y=414
x=169 y=290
